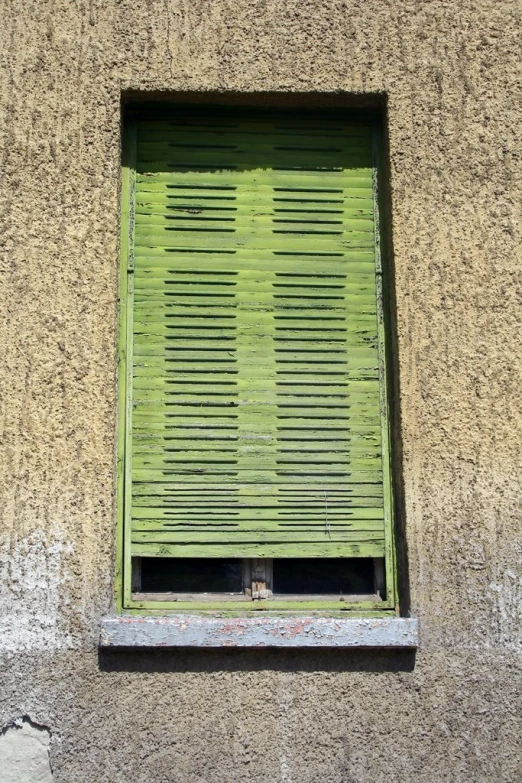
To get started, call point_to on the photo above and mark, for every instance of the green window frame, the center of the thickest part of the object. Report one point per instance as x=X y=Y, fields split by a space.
x=256 y=428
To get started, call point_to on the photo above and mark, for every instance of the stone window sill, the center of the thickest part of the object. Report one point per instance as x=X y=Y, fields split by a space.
x=198 y=631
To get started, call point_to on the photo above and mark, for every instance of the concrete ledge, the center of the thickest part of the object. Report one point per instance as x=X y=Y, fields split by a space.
x=198 y=631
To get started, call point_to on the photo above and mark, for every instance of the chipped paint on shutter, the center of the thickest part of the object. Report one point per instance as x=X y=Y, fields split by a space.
x=256 y=423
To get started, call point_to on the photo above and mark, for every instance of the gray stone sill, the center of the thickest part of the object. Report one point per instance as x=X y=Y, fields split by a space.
x=197 y=631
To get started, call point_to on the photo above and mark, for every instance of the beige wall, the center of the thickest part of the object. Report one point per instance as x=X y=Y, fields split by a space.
x=452 y=72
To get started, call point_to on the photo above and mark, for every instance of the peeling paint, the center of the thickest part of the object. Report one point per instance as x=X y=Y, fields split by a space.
x=268 y=631
x=32 y=579
x=507 y=609
x=24 y=752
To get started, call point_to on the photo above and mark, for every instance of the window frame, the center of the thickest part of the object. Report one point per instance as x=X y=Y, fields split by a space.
x=123 y=574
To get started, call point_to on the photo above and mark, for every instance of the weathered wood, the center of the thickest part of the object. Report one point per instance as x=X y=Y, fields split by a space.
x=256 y=416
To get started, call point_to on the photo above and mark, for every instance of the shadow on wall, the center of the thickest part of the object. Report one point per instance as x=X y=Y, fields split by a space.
x=187 y=660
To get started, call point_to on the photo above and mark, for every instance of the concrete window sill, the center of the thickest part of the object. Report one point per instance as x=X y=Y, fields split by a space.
x=198 y=631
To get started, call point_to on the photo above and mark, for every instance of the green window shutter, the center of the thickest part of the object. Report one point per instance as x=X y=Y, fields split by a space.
x=256 y=400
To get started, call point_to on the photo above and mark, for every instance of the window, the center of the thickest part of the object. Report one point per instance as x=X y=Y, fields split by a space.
x=254 y=446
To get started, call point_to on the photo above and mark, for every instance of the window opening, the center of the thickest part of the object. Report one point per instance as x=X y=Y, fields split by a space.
x=255 y=445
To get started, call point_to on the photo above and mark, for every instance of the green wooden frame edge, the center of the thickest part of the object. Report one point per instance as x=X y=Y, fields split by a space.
x=385 y=361
x=318 y=610
x=123 y=576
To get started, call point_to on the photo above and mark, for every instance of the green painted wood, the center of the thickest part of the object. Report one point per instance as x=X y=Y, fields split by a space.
x=324 y=547
x=384 y=326
x=228 y=262
x=148 y=506
x=256 y=417
x=123 y=459
x=241 y=608
x=323 y=478
x=125 y=363
x=242 y=492
x=274 y=519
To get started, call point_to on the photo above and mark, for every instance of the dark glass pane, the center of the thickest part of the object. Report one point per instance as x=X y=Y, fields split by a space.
x=191 y=575
x=334 y=576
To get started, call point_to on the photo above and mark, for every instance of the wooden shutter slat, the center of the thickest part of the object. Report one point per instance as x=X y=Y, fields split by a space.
x=251 y=476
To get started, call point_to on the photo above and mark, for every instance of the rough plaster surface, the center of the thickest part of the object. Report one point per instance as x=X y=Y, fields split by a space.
x=452 y=73
x=24 y=753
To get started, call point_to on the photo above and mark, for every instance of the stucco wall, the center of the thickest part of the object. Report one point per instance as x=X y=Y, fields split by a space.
x=452 y=74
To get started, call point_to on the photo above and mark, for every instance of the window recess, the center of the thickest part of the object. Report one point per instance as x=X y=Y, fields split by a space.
x=254 y=444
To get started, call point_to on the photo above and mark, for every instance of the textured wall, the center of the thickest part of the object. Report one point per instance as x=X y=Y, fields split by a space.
x=452 y=73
